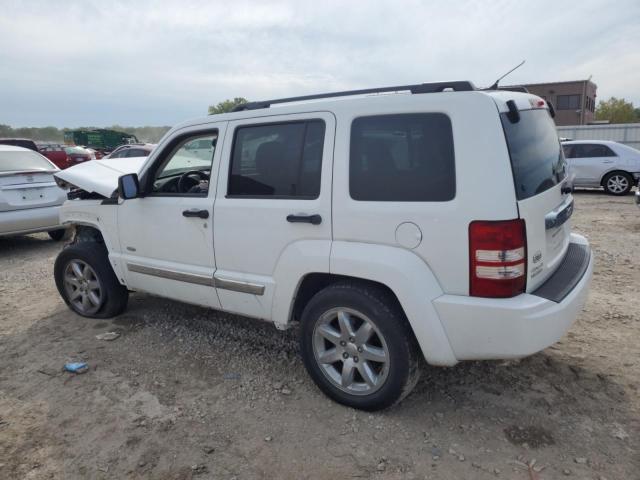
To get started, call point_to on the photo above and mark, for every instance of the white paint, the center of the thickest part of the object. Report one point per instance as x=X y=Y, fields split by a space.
x=417 y=249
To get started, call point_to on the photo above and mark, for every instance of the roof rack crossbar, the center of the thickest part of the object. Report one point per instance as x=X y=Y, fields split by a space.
x=457 y=86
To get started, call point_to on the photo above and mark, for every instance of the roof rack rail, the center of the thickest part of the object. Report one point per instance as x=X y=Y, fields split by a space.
x=456 y=86
x=515 y=88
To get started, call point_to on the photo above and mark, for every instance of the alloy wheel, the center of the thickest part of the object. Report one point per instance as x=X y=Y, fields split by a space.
x=82 y=287
x=351 y=351
x=618 y=184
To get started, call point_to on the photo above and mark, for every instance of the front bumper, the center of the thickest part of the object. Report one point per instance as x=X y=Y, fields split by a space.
x=29 y=220
x=486 y=328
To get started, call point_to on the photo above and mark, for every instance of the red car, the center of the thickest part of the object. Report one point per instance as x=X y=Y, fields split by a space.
x=56 y=153
x=64 y=156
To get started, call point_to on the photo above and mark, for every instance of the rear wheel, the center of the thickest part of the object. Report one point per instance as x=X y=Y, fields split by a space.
x=617 y=183
x=357 y=346
x=86 y=281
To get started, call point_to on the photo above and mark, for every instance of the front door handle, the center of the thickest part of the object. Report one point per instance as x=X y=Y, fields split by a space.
x=196 y=213
x=312 y=219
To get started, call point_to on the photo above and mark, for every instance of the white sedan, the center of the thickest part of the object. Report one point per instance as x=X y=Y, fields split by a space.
x=602 y=163
x=29 y=197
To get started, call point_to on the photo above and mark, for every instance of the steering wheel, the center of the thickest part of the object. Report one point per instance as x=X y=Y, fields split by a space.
x=183 y=186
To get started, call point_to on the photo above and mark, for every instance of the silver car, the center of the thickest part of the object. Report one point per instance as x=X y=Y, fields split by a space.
x=29 y=197
x=602 y=163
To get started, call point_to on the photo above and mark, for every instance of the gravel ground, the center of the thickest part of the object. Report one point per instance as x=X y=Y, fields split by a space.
x=185 y=392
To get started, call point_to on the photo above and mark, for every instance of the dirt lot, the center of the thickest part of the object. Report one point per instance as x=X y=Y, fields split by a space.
x=186 y=392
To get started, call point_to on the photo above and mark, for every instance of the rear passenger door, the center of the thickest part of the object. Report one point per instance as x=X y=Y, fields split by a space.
x=273 y=204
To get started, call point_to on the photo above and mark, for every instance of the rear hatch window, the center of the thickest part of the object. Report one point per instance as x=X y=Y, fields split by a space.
x=537 y=159
x=12 y=161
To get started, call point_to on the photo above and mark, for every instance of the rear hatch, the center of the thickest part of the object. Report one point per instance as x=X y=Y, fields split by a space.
x=539 y=173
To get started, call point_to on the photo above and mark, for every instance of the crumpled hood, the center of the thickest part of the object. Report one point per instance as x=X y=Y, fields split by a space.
x=100 y=176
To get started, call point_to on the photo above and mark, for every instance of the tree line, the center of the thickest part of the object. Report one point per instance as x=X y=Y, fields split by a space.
x=56 y=135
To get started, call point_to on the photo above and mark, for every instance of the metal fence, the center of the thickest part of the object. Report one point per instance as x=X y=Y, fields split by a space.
x=627 y=133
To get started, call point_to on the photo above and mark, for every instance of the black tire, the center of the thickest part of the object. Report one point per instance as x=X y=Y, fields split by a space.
x=58 y=235
x=622 y=177
x=383 y=311
x=113 y=295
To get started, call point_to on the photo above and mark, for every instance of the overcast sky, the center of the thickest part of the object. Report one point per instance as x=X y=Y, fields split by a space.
x=134 y=62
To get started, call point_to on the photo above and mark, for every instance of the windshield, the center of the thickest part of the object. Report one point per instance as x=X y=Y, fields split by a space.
x=536 y=156
x=19 y=161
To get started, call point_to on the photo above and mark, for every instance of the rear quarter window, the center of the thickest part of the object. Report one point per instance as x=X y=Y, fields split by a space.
x=402 y=158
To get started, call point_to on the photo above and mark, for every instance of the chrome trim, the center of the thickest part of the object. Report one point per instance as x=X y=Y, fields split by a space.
x=237 y=286
x=223 y=283
x=556 y=218
x=171 y=274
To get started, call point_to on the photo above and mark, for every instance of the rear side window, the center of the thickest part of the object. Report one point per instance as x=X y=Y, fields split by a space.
x=282 y=160
x=402 y=158
x=536 y=155
x=586 y=150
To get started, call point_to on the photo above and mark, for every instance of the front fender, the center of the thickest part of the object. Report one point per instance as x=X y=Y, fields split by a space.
x=92 y=213
x=410 y=279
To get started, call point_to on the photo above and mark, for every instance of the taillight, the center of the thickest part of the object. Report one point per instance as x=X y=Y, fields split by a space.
x=497 y=258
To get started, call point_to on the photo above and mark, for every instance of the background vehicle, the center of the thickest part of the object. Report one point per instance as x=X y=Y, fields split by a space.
x=602 y=163
x=29 y=197
x=20 y=142
x=78 y=155
x=357 y=218
x=99 y=139
x=132 y=150
x=92 y=151
x=56 y=153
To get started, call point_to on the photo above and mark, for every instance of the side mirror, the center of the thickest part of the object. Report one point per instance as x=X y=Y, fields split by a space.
x=128 y=186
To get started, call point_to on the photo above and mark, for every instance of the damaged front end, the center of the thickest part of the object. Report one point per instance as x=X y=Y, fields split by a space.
x=97 y=179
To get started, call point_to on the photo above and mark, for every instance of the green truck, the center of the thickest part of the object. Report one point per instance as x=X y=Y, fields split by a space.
x=99 y=139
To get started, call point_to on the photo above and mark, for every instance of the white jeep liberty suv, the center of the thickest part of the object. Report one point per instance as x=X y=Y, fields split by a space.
x=428 y=219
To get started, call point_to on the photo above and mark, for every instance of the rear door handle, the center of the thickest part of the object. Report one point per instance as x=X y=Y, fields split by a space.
x=312 y=219
x=196 y=213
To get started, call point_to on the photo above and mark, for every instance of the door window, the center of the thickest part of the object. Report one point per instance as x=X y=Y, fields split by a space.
x=278 y=160
x=586 y=150
x=186 y=169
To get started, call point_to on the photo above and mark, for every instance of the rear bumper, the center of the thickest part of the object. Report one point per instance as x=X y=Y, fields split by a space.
x=30 y=220
x=485 y=328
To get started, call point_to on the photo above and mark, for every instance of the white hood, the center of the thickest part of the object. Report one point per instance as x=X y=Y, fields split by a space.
x=100 y=176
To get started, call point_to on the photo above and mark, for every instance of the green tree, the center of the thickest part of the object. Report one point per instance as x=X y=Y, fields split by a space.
x=616 y=110
x=227 y=105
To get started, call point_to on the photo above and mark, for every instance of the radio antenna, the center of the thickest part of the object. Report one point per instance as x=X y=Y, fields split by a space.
x=495 y=85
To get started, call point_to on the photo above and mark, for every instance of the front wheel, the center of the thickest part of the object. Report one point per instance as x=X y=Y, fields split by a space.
x=357 y=346
x=617 y=183
x=86 y=281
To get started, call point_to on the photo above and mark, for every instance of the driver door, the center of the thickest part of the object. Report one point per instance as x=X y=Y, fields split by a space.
x=166 y=235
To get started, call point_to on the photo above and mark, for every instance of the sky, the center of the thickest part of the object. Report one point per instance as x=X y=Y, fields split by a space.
x=70 y=63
